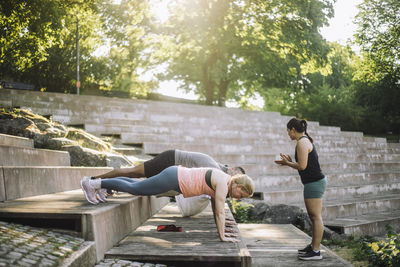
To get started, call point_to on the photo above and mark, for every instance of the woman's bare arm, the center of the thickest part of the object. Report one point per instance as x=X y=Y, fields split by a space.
x=302 y=148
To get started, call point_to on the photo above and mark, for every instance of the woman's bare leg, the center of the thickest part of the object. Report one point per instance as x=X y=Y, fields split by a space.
x=132 y=172
x=314 y=210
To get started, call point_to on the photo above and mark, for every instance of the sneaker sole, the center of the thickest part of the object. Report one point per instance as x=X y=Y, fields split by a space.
x=84 y=191
x=316 y=258
x=100 y=199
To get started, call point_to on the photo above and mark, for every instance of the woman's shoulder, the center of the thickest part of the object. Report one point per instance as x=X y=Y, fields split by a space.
x=218 y=174
x=305 y=143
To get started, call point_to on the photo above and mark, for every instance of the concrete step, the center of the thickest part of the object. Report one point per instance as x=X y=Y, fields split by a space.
x=371 y=224
x=334 y=192
x=357 y=206
x=5 y=103
x=133 y=128
x=394 y=145
x=24 y=156
x=142 y=118
x=24 y=181
x=11 y=140
x=105 y=223
x=54 y=101
x=327 y=168
x=271 y=183
x=210 y=136
x=156 y=148
x=128 y=151
x=137 y=123
x=237 y=159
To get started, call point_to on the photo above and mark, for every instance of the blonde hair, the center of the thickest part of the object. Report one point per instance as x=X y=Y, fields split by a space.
x=245 y=181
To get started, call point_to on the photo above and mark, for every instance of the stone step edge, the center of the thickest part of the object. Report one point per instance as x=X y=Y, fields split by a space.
x=349 y=201
x=327 y=174
x=34 y=148
x=85 y=256
x=300 y=190
x=44 y=150
x=346 y=221
x=27 y=143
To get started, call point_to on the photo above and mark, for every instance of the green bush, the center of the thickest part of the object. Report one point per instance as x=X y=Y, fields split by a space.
x=240 y=211
x=385 y=253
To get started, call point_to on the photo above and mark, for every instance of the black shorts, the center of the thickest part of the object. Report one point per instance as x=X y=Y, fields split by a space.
x=159 y=163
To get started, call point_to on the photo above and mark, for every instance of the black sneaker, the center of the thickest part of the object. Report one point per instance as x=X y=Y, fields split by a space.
x=311 y=256
x=308 y=248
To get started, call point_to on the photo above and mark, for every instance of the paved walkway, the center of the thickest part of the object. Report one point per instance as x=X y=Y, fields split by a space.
x=22 y=246
x=28 y=246
x=277 y=245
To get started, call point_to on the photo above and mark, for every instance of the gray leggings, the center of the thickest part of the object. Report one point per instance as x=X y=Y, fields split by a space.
x=163 y=182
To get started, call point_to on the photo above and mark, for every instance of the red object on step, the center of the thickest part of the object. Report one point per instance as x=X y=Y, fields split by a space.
x=169 y=228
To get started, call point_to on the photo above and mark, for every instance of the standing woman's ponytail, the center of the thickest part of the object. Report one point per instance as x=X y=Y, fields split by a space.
x=304 y=124
x=300 y=126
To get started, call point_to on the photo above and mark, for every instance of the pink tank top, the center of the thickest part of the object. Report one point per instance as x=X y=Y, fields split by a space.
x=192 y=182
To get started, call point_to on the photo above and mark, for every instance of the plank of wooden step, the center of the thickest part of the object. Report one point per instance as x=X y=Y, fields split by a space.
x=198 y=242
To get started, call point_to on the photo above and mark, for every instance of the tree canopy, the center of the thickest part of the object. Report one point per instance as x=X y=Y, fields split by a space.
x=222 y=50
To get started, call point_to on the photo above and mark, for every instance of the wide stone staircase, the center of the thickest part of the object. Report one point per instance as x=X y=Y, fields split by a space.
x=363 y=172
x=39 y=188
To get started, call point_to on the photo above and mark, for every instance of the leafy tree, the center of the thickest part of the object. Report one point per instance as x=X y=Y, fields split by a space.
x=327 y=93
x=58 y=72
x=127 y=27
x=27 y=30
x=378 y=75
x=38 y=44
x=38 y=41
x=224 y=49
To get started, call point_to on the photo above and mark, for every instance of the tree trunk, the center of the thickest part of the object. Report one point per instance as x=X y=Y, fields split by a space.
x=208 y=83
x=222 y=91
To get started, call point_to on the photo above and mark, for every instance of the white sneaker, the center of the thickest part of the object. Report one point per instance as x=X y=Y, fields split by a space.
x=90 y=192
x=101 y=195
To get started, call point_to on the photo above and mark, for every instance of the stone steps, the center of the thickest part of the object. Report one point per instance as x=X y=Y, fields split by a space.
x=337 y=193
x=17 y=141
x=238 y=159
x=24 y=181
x=138 y=120
x=50 y=196
x=141 y=131
x=354 y=164
x=105 y=223
x=72 y=105
x=233 y=137
x=156 y=148
x=271 y=183
x=371 y=223
x=271 y=168
x=25 y=156
x=355 y=206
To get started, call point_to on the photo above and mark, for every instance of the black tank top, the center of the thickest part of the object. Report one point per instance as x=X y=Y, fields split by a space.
x=313 y=171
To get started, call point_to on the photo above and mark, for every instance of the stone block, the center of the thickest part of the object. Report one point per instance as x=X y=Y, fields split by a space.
x=11 y=140
x=21 y=156
x=32 y=181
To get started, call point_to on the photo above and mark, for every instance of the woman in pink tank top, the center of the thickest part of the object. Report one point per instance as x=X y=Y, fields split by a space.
x=188 y=181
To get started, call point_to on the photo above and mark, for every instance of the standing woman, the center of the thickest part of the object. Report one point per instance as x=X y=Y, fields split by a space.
x=314 y=182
